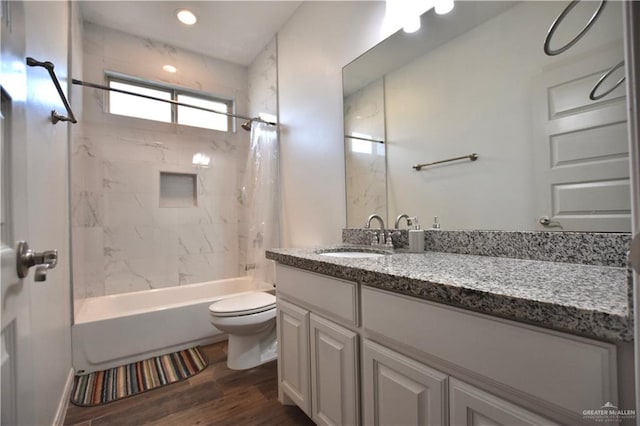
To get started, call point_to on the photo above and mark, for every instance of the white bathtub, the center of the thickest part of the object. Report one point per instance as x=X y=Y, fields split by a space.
x=123 y=328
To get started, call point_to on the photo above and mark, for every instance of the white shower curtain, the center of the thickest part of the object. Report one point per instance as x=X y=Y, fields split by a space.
x=261 y=198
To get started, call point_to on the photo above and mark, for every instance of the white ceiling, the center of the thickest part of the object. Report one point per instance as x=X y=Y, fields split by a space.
x=235 y=31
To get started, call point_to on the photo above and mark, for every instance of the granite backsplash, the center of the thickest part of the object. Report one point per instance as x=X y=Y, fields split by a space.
x=590 y=248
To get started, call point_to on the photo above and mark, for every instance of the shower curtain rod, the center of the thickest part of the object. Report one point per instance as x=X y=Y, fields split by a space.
x=169 y=101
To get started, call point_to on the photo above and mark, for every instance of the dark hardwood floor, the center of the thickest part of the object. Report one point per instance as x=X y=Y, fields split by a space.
x=216 y=396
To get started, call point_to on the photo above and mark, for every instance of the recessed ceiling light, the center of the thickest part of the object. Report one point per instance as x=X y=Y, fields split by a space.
x=169 y=68
x=186 y=17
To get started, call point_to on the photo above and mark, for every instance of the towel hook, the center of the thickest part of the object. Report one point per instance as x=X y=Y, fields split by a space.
x=554 y=26
x=602 y=79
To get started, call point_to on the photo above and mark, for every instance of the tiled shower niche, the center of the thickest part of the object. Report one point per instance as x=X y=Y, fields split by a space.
x=179 y=190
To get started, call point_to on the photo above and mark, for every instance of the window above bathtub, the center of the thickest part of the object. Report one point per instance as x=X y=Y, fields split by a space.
x=167 y=112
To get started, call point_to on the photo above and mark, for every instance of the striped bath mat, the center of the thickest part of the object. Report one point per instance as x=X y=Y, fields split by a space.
x=110 y=385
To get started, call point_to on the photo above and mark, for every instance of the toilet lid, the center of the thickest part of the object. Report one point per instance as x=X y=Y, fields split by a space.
x=245 y=304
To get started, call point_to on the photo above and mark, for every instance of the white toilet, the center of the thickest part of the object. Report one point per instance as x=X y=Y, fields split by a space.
x=250 y=321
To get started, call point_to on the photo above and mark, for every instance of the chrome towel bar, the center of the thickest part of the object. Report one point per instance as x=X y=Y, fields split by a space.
x=55 y=117
x=364 y=139
x=472 y=157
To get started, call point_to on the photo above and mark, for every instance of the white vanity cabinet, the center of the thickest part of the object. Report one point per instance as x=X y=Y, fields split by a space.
x=334 y=373
x=397 y=390
x=293 y=354
x=516 y=369
x=318 y=366
x=351 y=354
x=470 y=406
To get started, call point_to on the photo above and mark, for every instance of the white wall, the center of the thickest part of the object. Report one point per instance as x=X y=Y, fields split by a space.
x=263 y=81
x=50 y=340
x=313 y=46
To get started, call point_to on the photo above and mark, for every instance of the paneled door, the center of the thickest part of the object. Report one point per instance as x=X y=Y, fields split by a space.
x=470 y=406
x=334 y=373
x=293 y=355
x=35 y=306
x=398 y=390
x=17 y=391
x=581 y=148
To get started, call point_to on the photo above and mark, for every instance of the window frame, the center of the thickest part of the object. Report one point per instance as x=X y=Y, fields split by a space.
x=174 y=91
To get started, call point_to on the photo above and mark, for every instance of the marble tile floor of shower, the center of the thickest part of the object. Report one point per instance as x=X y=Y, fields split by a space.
x=216 y=396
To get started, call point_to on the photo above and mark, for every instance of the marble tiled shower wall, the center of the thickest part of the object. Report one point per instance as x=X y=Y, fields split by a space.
x=365 y=171
x=130 y=243
x=122 y=239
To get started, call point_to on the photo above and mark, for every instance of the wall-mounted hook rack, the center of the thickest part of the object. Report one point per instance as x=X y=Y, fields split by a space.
x=55 y=117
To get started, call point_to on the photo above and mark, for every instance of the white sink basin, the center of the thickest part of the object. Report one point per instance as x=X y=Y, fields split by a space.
x=351 y=254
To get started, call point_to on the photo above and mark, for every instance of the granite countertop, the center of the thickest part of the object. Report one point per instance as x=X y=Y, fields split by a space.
x=588 y=300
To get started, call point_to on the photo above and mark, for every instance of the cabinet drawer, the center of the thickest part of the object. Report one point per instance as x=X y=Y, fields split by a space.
x=565 y=370
x=329 y=296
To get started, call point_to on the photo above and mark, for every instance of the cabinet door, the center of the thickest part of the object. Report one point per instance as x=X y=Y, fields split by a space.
x=334 y=373
x=469 y=406
x=400 y=391
x=293 y=354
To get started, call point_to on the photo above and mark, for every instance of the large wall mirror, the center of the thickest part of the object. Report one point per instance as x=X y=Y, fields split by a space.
x=477 y=81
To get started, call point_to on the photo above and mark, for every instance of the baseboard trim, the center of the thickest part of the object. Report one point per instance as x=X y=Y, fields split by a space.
x=64 y=400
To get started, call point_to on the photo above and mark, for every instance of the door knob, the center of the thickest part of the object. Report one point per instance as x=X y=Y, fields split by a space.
x=26 y=258
x=546 y=221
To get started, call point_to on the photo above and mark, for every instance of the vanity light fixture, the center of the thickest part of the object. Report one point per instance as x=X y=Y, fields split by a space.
x=443 y=7
x=411 y=24
x=169 y=68
x=406 y=14
x=187 y=17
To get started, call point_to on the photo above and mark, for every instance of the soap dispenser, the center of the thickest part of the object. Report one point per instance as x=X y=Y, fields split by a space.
x=436 y=224
x=416 y=236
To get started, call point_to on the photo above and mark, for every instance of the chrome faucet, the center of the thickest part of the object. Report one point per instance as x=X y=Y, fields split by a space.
x=374 y=216
x=399 y=218
x=382 y=240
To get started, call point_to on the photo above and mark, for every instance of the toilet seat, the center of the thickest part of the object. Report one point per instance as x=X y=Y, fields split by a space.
x=245 y=304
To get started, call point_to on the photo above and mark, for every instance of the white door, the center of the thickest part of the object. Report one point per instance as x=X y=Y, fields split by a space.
x=293 y=355
x=470 y=406
x=35 y=328
x=632 y=35
x=334 y=373
x=581 y=149
x=400 y=391
x=17 y=383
